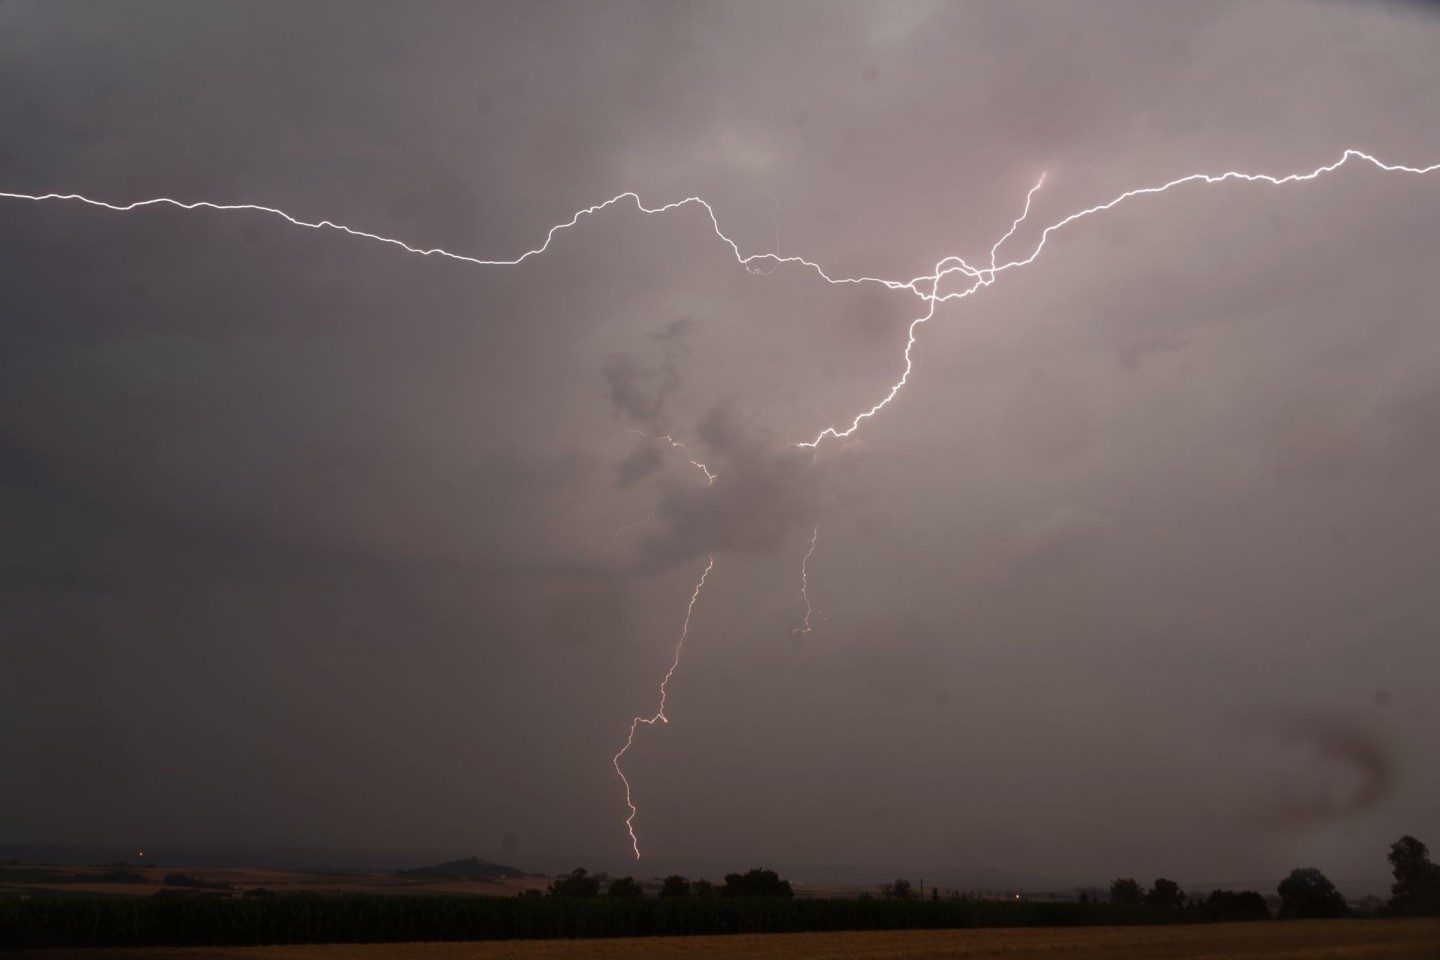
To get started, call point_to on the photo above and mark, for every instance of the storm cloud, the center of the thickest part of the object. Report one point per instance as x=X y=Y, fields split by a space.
x=311 y=541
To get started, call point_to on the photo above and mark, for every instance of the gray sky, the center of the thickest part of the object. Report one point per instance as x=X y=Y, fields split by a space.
x=307 y=540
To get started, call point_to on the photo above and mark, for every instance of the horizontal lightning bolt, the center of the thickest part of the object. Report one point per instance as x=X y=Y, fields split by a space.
x=982 y=276
x=659 y=716
x=927 y=287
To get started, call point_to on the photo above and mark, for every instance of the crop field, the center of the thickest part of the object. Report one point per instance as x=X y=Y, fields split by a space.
x=1293 y=940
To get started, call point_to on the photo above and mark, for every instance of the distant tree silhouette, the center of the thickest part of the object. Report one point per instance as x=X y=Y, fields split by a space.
x=703 y=888
x=1125 y=892
x=900 y=889
x=624 y=887
x=182 y=880
x=580 y=883
x=1165 y=893
x=1225 y=905
x=756 y=883
x=1307 y=892
x=676 y=886
x=1416 y=890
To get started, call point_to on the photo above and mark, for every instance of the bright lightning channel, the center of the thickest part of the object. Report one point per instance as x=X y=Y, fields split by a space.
x=677 y=445
x=983 y=278
x=709 y=480
x=810 y=612
x=802 y=632
x=979 y=278
x=659 y=716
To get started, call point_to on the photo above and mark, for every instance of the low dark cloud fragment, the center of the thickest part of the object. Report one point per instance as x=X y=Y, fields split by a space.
x=644 y=461
x=764 y=491
x=1332 y=770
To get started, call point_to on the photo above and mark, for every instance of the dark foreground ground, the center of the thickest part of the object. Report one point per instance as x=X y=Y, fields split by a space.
x=1294 y=940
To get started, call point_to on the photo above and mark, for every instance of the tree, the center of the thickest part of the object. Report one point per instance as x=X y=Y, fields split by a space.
x=675 y=886
x=1225 y=905
x=625 y=888
x=703 y=888
x=580 y=883
x=1125 y=892
x=756 y=883
x=1307 y=892
x=901 y=889
x=1416 y=890
x=1165 y=893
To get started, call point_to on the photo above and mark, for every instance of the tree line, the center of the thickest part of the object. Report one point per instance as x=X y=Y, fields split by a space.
x=582 y=904
x=759 y=882
x=1304 y=893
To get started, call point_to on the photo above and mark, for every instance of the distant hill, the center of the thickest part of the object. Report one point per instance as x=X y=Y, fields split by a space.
x=471 y=869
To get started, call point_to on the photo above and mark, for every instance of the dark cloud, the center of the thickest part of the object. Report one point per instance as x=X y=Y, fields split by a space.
x=763 y=492
x=638 y=392
x=1337 y=771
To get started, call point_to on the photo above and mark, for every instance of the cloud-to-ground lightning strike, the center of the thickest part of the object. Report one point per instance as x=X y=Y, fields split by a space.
x=803 y=631
x=926 y=287
x=810 y=611
x=659 y=716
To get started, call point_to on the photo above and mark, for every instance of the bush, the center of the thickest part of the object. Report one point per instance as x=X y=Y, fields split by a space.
x=1307 y=892
x=1226 y=905
x=756 y=883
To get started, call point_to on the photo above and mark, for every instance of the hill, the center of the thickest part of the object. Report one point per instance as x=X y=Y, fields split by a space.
x=470 y=869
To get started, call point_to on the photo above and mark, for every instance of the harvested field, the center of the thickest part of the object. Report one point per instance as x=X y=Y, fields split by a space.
x=1294 y=940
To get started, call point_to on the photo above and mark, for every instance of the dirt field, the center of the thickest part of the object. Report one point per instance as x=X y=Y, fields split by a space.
x=1296 y=940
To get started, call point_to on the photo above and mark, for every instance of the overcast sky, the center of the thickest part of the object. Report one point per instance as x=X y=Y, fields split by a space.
x=307 y=540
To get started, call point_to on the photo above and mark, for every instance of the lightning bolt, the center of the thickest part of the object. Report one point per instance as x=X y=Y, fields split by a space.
x=803 y=631
x=635 y=523
x=810 y=611
x=984 y=278
x=659 y=716
x=926 y=287
x=709 y=479
x=980 y=277
x=676 y=444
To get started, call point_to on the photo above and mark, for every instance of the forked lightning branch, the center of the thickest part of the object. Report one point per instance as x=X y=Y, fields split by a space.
x=926 y=287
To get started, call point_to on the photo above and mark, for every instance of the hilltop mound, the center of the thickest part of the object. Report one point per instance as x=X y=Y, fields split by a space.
x=472 y=868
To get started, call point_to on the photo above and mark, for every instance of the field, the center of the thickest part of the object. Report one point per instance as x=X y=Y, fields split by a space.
x=19 y=880
x=1295 y=940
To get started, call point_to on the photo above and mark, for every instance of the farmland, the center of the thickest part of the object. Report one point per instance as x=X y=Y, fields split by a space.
x=1298 y=940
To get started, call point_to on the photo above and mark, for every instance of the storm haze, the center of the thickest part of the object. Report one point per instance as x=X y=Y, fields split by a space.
x=309 y=541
